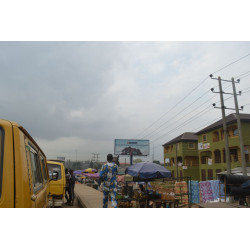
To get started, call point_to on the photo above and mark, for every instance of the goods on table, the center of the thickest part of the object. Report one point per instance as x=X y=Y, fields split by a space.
x=166 y=189
x=124 y=204
x=140 y=196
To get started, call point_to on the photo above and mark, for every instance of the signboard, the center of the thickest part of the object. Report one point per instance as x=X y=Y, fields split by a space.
x=202 y=146
x=184 y=167
x=210 y=162
x=131 y=147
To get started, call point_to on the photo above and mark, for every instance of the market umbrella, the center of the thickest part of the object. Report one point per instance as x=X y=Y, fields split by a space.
x=147 y=170
x=93 y=176
x=90 y=170
x=78 y=172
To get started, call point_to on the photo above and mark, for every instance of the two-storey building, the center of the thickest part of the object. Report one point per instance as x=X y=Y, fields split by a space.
x=211 y=146
x=183 y=151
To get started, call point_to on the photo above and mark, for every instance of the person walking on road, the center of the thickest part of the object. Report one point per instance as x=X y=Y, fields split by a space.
x=71 y=187
x=108 y=177
x=67 y=191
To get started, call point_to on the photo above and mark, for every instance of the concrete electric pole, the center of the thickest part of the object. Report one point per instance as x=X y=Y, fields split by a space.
x=225 y=125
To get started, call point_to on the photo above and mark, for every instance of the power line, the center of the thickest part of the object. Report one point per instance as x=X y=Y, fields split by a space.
x=194 y=117
x=245 y=76
x=175 y=115
x=231 y=63
x=174 y=106
x=183 y=116
x=242 y=74
x=190 y=93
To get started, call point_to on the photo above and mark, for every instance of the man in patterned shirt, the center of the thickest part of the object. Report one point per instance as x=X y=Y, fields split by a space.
x=108 y=177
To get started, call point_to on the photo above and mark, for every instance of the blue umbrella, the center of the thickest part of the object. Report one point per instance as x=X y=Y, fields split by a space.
x=147 y=170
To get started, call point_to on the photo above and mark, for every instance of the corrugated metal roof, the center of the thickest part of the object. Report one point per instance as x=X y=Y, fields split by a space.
x=229 y=120
x=236 y=171
x=188 y=136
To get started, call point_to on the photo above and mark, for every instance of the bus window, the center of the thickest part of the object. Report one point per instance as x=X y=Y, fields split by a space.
x=44 y=170
x=1 y=158
x=54 y=167
x=36 y=171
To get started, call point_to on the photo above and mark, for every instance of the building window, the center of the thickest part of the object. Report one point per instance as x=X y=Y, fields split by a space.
x=210 y=174
x=235 y=132
x=191 y=145
x=216 y=136
x=217 y=156
x=203 y=159
x=203 y=175
x=204 y=138
x=234 y=155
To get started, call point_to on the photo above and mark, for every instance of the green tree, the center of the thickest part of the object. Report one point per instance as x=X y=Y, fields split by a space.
x=137 y=160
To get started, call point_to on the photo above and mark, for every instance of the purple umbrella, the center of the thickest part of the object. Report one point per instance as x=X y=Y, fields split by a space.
x=94 y=176
x=78 y=172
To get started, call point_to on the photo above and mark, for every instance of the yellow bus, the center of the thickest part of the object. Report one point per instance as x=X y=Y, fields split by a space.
x=24 y=180
x=56 y=187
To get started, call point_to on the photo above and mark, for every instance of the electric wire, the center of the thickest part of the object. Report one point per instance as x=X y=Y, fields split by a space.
x=174 y=106
x=242 y=74
x=202 y=82
x=194 y=117
x=231 y=63
x=183 y=116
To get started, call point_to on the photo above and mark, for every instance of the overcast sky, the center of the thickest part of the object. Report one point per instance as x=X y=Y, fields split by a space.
x=75 y=98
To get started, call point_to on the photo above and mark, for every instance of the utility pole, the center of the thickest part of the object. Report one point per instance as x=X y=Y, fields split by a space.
x=97 y=157
x=93 y=159
x=177 y=174
x=243 y=160
x=225 y=126
x=153 y=153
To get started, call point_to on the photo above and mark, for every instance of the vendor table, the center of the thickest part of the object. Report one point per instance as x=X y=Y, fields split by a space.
x=171 y=203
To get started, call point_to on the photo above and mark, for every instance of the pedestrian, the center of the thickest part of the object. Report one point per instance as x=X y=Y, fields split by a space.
x=67 y=191
x=71 y=187
x=108 y=177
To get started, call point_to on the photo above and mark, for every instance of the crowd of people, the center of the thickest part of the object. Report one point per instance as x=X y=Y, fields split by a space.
x=70 y=186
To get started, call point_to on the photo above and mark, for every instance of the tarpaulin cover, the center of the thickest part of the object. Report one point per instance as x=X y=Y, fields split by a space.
x=147 y=170
x=206 y=191
x=195 y=191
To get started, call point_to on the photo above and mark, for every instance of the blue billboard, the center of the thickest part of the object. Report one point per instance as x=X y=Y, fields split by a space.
x=131 y=147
